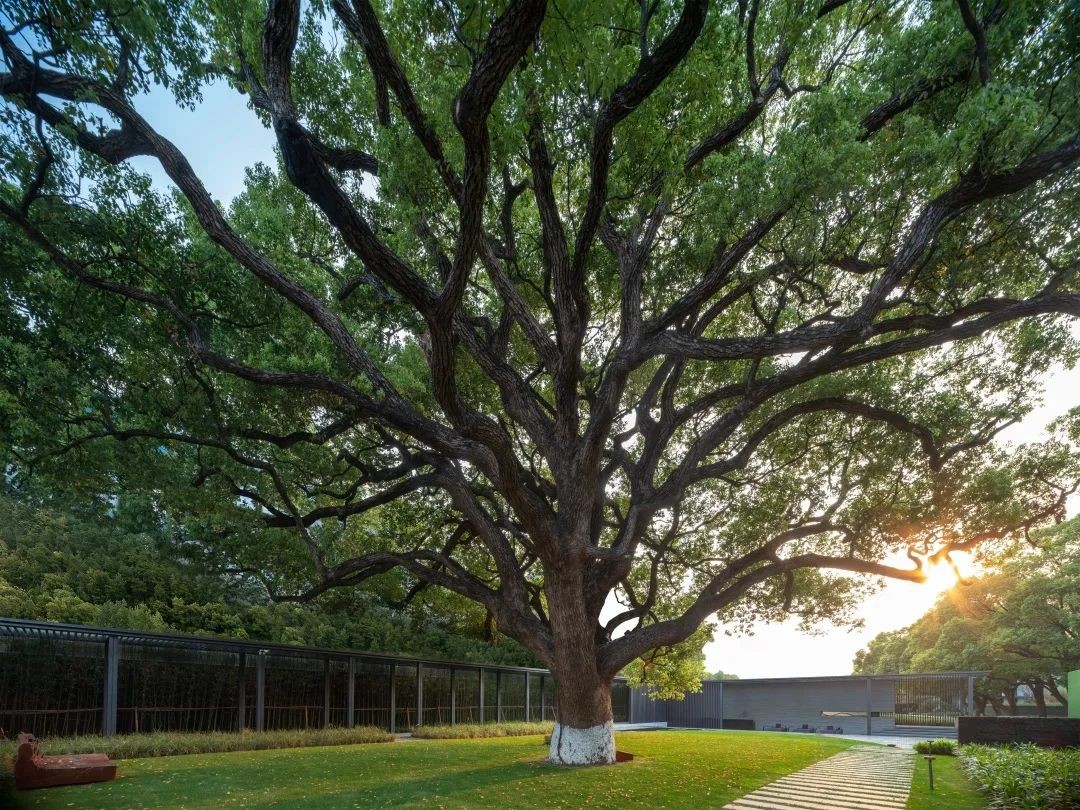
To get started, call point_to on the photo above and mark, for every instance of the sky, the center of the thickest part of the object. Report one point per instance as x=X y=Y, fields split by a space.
x=222 y=137
x=782 y=650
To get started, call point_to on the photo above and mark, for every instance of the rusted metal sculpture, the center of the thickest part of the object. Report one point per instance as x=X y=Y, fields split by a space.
x=33 y=770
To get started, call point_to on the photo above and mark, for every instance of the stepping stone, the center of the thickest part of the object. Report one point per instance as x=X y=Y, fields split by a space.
x=861 y=778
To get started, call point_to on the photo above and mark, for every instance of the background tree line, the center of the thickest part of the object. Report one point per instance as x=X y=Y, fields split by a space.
x=1021 y=621
x=118 y=564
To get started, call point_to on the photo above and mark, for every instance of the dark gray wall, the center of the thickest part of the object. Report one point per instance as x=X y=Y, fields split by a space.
x=698 y=709
x=796 y=703
x=644 y=709
x=1050 y=732
x=790 y=702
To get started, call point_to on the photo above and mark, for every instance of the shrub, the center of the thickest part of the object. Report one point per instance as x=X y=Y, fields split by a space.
x=944 y=748
x=1024 y=776
x=469 y=730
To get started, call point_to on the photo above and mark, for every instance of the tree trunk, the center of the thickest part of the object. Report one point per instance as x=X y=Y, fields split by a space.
x=584 y=733
x=1059 y=696
x=1040 y=697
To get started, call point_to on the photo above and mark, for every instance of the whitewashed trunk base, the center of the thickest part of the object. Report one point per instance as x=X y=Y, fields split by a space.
x=583 y=746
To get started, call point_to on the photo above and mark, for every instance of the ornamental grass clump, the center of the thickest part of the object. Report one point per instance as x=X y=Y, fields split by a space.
x=473 y=730
x=942 y=748
x=1024 y=776
x=171 y=743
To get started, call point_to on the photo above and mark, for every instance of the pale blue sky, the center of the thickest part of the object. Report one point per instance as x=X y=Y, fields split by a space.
x=223 y=137
x=220 y=138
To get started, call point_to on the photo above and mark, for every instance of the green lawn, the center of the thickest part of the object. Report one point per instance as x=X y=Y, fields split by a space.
x=952 y=789
x=672 y=770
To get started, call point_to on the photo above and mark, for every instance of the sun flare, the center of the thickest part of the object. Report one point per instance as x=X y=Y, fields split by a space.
x=941 y=576
x=901 y=602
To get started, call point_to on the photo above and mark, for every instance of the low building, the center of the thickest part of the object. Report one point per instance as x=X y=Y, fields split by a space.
x=851 y=704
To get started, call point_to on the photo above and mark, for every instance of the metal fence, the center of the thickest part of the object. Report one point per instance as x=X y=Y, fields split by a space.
x=63 y=679
x=931 y=701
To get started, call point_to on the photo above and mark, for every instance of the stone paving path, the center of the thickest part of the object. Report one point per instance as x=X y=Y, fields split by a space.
x=861 y=778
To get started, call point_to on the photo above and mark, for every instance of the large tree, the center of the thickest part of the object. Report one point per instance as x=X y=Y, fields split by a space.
x=676 y=308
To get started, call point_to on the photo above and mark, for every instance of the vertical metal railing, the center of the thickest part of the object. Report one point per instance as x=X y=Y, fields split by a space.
x=930 y=701
x=104 y=680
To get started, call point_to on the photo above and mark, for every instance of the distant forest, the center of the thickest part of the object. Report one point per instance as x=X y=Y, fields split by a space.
x=120 y=564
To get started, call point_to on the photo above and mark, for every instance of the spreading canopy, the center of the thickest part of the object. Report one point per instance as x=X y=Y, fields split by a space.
x=703 y=305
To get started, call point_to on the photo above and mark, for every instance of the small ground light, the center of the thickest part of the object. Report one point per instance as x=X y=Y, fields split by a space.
x=930 y=765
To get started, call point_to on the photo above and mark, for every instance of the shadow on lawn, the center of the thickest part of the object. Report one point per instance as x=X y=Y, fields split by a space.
x=492 y=785
x=191 y=781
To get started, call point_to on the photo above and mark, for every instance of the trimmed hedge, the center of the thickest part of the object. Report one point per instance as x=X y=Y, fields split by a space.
x=471 y=730
x=1024 y=776
x=942 y=748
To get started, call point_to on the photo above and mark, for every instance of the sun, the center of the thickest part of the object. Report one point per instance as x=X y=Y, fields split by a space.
x=941 y=576
x=901 y=602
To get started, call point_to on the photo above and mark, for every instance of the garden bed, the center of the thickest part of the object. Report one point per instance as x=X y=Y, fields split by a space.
x=1024 y=777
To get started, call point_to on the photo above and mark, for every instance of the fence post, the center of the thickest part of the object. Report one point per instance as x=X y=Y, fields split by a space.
x=543 y=699
x=498 y=696
x=241 y=700
x=971 y=695
x=869 y=701
x=721 y=704
x=480 y=694
x=419 y=694
x=527 y=697
x=260 y=691
x=453 y=696
x=393 y=697
x=326 y=693
x=112 y=686
x=350 y=702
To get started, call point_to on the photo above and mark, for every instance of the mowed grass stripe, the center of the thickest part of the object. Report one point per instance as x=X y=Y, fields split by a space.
x=862 y=777
x=831 y=790
x=863 y=774
x=852 y=780
x=854 y=790
x=825 y=796
x=815 y=803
